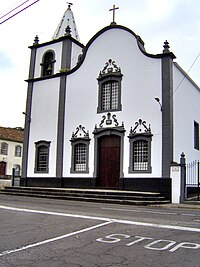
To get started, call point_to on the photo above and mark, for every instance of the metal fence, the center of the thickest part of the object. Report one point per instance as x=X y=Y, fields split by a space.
x=193 y=180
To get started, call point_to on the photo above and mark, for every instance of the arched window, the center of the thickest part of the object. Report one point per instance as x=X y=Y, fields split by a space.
x=48 y=63
x=42 y=157
x=17 y=170
x=4 y=148
x=18 y=151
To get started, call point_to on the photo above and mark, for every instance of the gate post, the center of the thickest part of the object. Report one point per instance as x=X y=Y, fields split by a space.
x=183 y=177
x=13 y=177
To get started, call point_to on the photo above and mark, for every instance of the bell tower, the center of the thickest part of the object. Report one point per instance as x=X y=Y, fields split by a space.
x=50 y=64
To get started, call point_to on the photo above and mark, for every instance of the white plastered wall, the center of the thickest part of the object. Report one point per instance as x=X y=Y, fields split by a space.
x=43 y=126
x=186 y=111
x=141 y=83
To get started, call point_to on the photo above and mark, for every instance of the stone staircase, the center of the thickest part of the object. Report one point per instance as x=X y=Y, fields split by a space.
x=89 y=195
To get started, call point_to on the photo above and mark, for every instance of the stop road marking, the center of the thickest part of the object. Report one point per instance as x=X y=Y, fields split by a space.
x=158 y=245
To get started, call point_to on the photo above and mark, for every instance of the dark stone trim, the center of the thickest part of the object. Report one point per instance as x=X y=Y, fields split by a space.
x=60 y=129
x=28 y=114
x=109 y=77
x=156 y=185
x=167 y=115
x=110 y=27
x=108 y=131
x=65 y=63
x=52 y=182
x=66 y=54
x=75 y=142
x=37 y=146
x=137 y=137
x=85 y=49
x=63 y=38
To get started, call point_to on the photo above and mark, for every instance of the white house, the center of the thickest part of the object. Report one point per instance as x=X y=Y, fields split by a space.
x=11 y=145
x=105 y=115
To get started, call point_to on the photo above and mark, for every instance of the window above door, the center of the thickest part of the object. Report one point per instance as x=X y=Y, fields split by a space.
x=109 y=94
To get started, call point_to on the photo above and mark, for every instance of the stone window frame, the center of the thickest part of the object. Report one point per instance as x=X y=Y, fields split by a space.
x=46 y=64
x=18 y=151
x=17 y=170
x=109 y=78
x=38 y=145
x=196 y=135
x=74 y=143
x=135 y=138
x=110 y=74
x=4 y=148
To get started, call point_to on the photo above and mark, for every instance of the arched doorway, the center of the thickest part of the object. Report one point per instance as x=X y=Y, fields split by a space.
x=2 y=168
x=109 y=161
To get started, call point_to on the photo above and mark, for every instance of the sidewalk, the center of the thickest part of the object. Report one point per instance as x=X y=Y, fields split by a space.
x=185 y=205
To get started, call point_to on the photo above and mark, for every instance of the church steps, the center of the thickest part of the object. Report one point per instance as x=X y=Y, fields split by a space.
x=90 y=195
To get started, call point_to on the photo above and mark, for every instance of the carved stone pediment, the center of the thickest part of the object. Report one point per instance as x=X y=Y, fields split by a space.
x=110 y=67
x=80 y=133
x=140 y=127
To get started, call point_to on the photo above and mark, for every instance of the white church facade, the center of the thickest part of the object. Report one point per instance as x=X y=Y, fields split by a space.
x=106 y=115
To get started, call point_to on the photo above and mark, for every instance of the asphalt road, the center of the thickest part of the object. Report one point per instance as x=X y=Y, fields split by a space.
x=50 y=233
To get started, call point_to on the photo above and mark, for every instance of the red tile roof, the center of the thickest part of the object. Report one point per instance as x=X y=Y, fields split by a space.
x=12 y=134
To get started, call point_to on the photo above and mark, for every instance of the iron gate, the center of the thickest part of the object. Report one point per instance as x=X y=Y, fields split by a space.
x=192 y=190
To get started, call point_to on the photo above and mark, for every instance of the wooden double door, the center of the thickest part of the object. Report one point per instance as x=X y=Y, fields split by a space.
x=2 y=168
x=108 y=161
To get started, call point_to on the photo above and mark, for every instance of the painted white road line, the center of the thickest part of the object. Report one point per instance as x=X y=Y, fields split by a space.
x=154 y=212
x=55 y=213
x=154 y=225
x=190 y=214
x=53 y=239
x=141 y=211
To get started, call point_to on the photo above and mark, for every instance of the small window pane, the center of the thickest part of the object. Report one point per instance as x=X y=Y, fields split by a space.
x=115 y=95
x=80 y=157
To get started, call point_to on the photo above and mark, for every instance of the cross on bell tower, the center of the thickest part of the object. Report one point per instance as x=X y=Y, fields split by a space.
x=113 y=10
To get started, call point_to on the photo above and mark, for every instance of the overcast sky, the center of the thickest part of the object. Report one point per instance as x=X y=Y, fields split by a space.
x=177 y=21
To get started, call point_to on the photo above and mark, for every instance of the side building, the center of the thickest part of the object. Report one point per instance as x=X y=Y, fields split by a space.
x=11 y=146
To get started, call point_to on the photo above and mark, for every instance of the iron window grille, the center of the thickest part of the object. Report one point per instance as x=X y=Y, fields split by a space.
x=80 y=155
x=80 y=150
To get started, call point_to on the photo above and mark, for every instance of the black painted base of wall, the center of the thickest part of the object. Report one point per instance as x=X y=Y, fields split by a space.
x=158 y=185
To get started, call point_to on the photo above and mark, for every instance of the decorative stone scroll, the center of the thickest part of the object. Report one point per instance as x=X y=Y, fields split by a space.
x=110 y=67
x=80 y=133
x=140 y=127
